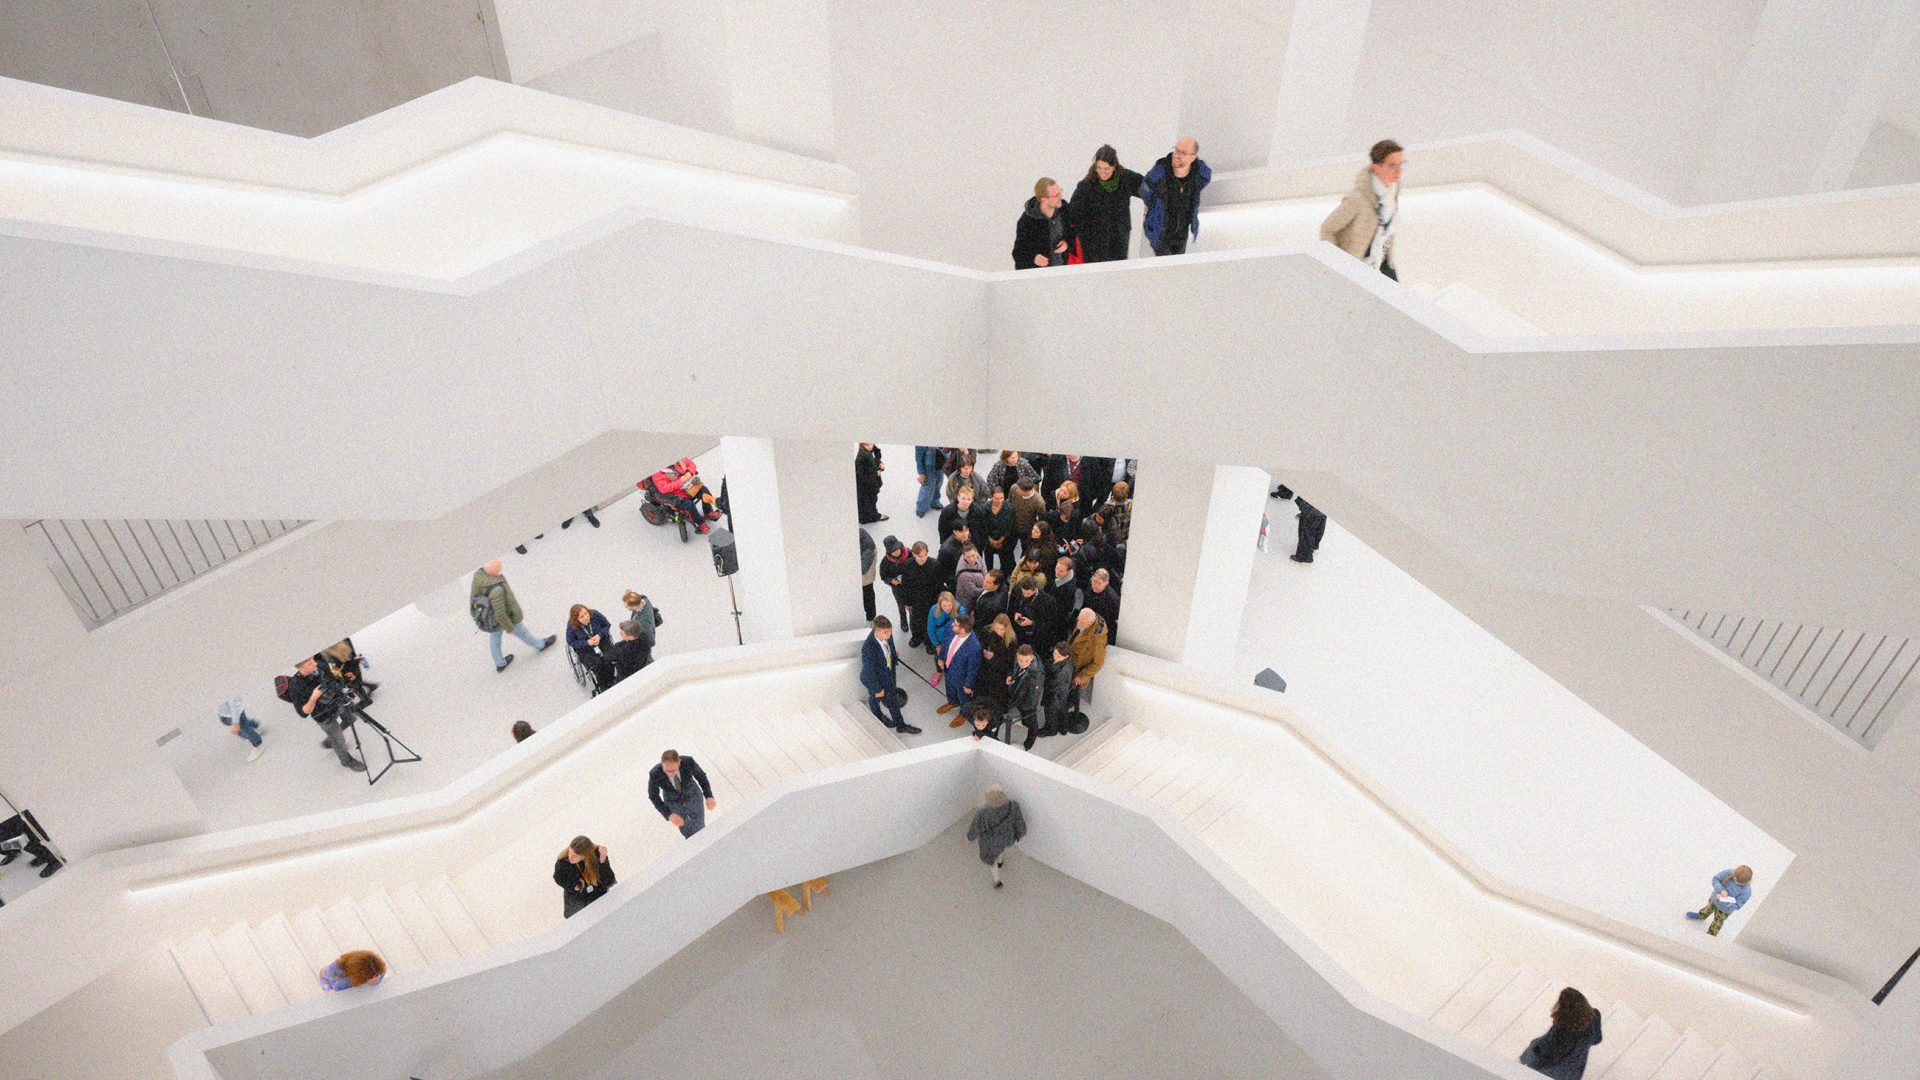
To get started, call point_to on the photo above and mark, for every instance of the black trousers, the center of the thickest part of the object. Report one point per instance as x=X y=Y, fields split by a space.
x=1173 y=242
x=1387 y=269
x=869 y=502
x=1313 y=526
x=867 y=602
x=15 y=827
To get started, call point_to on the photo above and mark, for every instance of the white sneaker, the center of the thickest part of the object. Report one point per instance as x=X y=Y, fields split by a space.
x=253 y=755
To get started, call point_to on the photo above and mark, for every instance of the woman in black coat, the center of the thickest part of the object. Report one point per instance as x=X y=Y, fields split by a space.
x=1562 y=1052
x=582 y=870
x=1101 y=213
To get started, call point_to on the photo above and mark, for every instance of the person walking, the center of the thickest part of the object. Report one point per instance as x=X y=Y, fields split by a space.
x=1041 y=236
x=1171 y=190
x=678 y=787
x=584 y=875
x=590 y=637
x=867 y=467
x=233 y=714
x=961 y=660
x=997 y=826
x=492 y=601
x=927 y=462
x=1562 y=1052
x=1101 y=213
x=1731 y=891
x=1363 y=224
x=1313 y=527
x=878 y=663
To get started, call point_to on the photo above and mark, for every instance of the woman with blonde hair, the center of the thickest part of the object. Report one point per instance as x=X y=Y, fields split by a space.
x=940 y=626
x=584 y=872
x=997 y=826
x=357 y=968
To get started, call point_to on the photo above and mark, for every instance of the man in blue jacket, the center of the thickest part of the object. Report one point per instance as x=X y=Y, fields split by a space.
x=1171 y=190
x=963 y=666
x=878 y=659
x=927 y=468
x=1731 y=891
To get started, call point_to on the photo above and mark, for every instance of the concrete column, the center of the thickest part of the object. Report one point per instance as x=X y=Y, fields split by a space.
x=1324 y=40
x=1190 y=558
x=1800 y=108
x=794 y=522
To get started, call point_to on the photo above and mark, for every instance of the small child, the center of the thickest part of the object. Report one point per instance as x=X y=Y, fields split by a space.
x=233 y=713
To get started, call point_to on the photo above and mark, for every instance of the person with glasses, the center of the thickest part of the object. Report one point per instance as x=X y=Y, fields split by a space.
x=1171 y=191
x=1362 y=225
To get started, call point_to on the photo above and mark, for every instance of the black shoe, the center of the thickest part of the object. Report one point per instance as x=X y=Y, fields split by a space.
x=9 y=857
x=567 y=523
x=548 y=644
x=1282 y=491
x=591 y=520
x=907 y=729
x=326 y=744
x=356 y=766
x=370 y=688
x=38 y=860
x=1297 y=558
x=504 y=666
x=52 y=869
x=999 y=884
x=521 y=548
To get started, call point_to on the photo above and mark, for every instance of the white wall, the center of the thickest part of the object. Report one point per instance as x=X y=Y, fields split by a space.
x=793 y=508
x=543 y=36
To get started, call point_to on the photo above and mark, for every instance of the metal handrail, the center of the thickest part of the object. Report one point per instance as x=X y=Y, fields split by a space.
x=110 y=566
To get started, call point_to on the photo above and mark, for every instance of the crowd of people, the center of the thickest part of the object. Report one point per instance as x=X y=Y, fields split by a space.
x=1096 y=224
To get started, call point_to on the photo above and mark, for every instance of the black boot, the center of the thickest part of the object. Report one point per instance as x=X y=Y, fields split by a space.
x=591 y=520
x=521 y=548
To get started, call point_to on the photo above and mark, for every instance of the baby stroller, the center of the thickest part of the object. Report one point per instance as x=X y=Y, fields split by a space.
x=676 y=495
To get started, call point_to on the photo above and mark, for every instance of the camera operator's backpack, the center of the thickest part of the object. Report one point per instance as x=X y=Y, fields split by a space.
x=481 y=608
x=283 y=689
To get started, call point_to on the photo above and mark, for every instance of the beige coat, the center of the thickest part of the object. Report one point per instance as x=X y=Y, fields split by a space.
x=1352 y=224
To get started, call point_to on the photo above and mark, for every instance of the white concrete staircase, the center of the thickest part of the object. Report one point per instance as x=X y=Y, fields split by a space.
x=254 y=967
x=1284 y=834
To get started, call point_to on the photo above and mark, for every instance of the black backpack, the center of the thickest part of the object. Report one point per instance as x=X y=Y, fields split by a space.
x=480 y=607
x=283 y=689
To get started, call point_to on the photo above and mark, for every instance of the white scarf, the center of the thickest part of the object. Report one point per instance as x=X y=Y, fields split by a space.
x=1386 y=206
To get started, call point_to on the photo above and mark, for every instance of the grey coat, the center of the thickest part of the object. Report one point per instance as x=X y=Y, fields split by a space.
x=997 y=828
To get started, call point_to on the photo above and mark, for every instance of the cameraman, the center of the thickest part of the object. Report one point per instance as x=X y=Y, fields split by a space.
x=321 y=696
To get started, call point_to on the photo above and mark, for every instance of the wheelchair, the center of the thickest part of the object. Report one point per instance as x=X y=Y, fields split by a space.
x=581 y=674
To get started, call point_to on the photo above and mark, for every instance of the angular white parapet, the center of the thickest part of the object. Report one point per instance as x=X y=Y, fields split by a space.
x=428 y=193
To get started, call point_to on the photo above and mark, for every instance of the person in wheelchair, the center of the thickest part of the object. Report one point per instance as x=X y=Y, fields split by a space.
x=590 y=637
x=678 y=488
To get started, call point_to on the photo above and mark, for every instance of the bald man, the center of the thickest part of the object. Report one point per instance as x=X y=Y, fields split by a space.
x=1171 y=191
x=490 y=589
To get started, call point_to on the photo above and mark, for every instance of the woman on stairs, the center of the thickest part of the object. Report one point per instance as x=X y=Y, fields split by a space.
x=582 y=870
x=1562 y=1052
x=356 y=968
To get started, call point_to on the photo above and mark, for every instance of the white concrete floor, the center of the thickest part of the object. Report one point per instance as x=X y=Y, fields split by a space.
x=916 y=966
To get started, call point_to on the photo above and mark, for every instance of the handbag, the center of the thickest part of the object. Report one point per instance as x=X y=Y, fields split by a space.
x=1074 y=255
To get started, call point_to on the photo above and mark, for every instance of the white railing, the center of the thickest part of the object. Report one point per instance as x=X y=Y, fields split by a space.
x=108 y=567
x=1854 y=680
x=493 y=1009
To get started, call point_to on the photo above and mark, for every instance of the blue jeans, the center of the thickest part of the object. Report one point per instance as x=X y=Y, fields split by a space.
x=249 y=729
x=929 y=498
x=521 y=632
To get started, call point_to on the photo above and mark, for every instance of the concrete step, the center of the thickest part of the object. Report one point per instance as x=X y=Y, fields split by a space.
x=1095 y=760
x=206 y=976
x=453 y=916
x=298 y=977
x=1230 y=788
x=772 y=746
x=1532 y=1022
x=1690 y=1060
x=1618 y=1026
x=422 y=925
x=395 y=945
x=789 y=735
x=835 y=739
x=1137 y=750
x=1651 y=1046
x=1187 y=778
x=315 y=938
x=1506 y=1007
x=248 y=969
x=1474 y=994
x=1095 y=735
x=1730 y=1065
x=344 y=923
x=856 y=713
x=1148 y=755
x=1174 y=763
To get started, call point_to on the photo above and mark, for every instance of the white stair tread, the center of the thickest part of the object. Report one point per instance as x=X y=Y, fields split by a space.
x=884 y=740
x=1229 y=787
x=454 y=917
x=1135 y=751
x=343 y=922
x=1148 y=756
x=1532 y=1022
x=1175 y=764
x=1190 y=777
x=835 y=740
x=393 y=942
x=422 y=925
x=248 y=969
x=772 y=746
x=785 y=733
x=298 y=978
x=207 y=977
x=1506 y=1007
x=315 y=938
x=1690 y=1060
x=807 y=724
x=1097 y=758
x=736 y=748
x=1473 y=995
x=1618 y=1026
x=1098 y=734
x=1649 y=1051
x=1731 y=1066
x=859 y=728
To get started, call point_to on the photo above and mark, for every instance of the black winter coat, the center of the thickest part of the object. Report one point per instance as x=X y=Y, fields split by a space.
x=976 y=520
x=920 y=585
x=1103 y=220
x=1024 y=699
x=1037 y=234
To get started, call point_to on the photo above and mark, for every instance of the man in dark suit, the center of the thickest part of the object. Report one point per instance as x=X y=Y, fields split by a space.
x=678 y=787
x=631 y=653
x=1035 y=616
x=1313 y=526
x=878 y=659
x=25 y=825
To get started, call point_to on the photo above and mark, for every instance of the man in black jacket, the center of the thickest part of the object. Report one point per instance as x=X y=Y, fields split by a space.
x=1313 y=526
x=892 y=566
x=920 y=585
x=1060 y=697
x=867 y=467
x=308 y=693
x=1025 y=697
x=631 y=653
x=1103 y=596
x=1035 y=616
x=994 y=599
x=1041 y=236
x=950 y=555
x=964 y=511
x=678 y=787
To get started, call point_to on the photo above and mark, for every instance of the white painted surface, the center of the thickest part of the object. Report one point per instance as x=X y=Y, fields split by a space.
x=543 y=37
x=1227 y=551
x=1163 y=555
x=1325 y=44
x=753 y=490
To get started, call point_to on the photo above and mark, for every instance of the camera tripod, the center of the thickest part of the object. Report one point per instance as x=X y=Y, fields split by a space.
x=352 y=714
